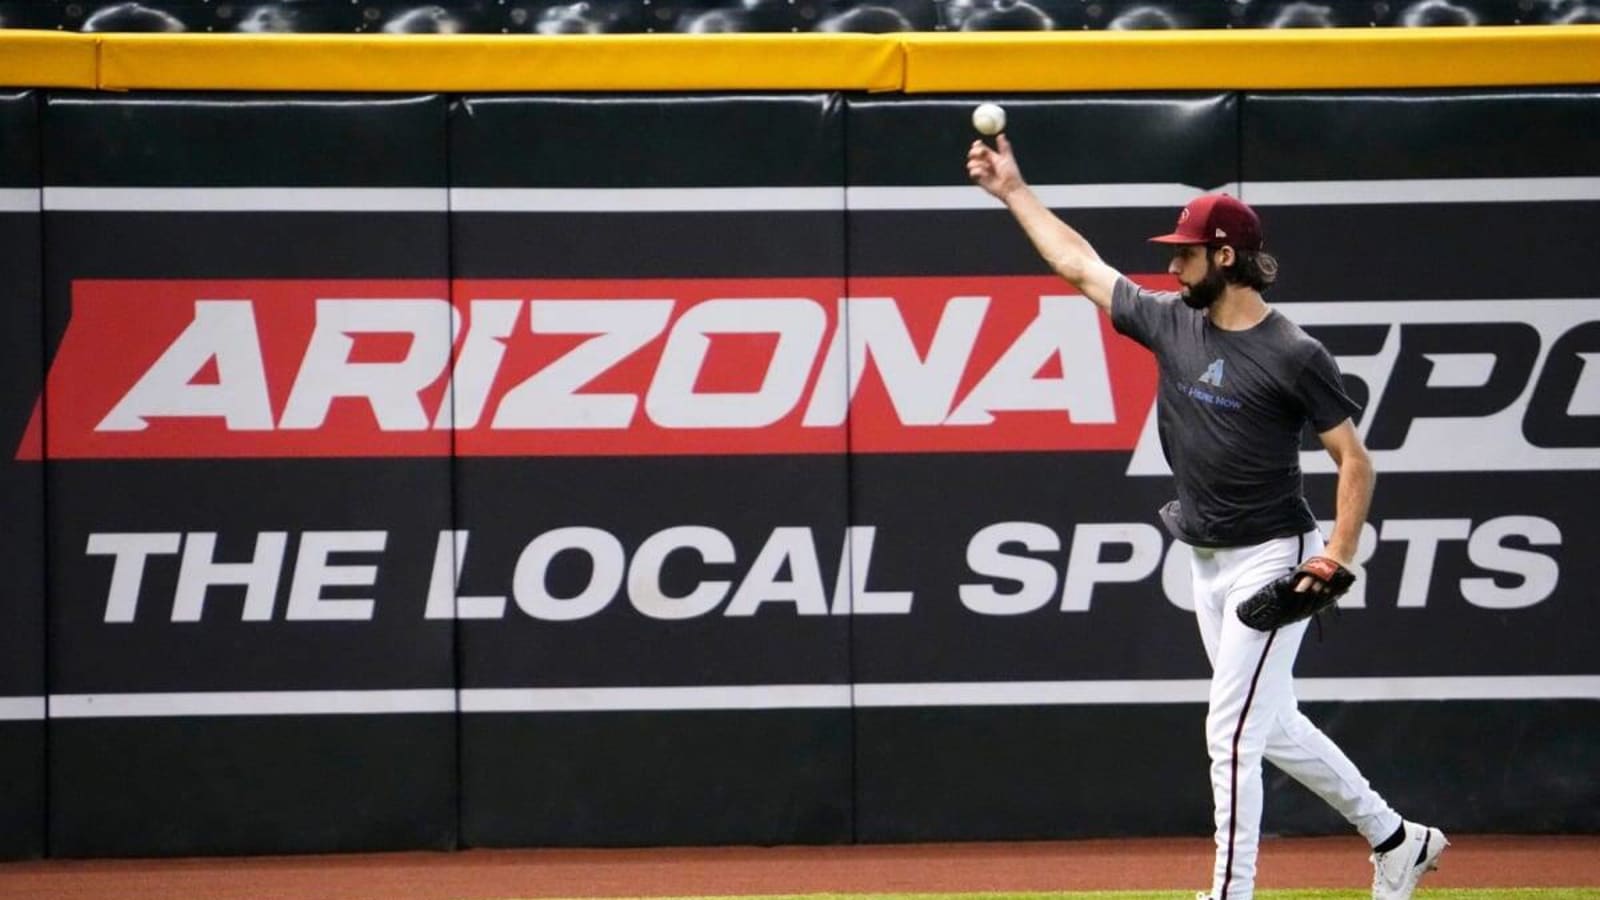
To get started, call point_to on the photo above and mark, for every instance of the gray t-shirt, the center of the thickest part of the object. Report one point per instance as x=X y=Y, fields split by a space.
x=1231 y=408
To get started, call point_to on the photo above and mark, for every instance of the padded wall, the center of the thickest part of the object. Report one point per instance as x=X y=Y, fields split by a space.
x=237 y=643
x=653 y=469
x=22 y=646
x=666 y=657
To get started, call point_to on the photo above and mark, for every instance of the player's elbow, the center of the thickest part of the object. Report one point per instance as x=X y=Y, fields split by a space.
x=1357 y=455
x=1071 y=266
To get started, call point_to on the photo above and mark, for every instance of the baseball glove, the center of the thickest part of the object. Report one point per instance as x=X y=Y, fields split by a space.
x=1278 y=603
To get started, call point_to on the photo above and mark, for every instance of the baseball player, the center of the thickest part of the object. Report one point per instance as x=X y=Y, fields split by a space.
x=1238 y=382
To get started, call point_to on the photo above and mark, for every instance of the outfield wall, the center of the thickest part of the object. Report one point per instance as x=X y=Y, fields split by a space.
x=575 y=468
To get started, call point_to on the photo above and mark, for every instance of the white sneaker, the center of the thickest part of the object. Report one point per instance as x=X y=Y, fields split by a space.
x=1395 y=874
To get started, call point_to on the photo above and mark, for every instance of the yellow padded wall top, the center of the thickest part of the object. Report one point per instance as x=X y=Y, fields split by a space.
x=47 y=59
x=467 y=63
x=1253 y=59
x=910 y=62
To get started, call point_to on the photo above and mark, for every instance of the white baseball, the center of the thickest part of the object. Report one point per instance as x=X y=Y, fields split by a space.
x=989 y=118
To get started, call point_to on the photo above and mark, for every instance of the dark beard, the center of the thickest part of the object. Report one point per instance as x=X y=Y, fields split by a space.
x=1207 y=290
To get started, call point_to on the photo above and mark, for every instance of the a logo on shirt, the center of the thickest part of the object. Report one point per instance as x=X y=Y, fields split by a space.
x=1213 y=374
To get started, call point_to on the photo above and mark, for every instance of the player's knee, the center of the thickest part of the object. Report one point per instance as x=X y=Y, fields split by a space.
x=1297 y=728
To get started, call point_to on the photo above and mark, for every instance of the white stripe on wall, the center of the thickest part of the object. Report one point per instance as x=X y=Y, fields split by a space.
x=1057 y=693
x=753 y=696
x=21 y=709
x=245 y=199
x=1058 y=196
x=250 y=703
x=780 y=199
x=641 y=200
x=1420 y=190
x=1526 y=687
x=777 y=696
x=1032 y=693
x=19 y=200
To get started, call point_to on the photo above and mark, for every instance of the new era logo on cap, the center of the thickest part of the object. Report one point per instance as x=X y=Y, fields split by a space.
x=1216 y=219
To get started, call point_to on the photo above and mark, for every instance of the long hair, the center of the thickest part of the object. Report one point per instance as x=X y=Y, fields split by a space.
x=1256 y=269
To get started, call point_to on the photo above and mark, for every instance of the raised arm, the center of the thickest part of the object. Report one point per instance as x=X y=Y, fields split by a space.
x=1067 y=252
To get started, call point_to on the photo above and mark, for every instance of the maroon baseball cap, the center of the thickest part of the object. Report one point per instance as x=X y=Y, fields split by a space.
x=1216 y=219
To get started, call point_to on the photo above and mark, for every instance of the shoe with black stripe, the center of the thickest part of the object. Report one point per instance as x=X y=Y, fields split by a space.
x=1395 y=874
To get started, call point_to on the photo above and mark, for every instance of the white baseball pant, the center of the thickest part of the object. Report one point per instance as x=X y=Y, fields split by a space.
x=1253 y=713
